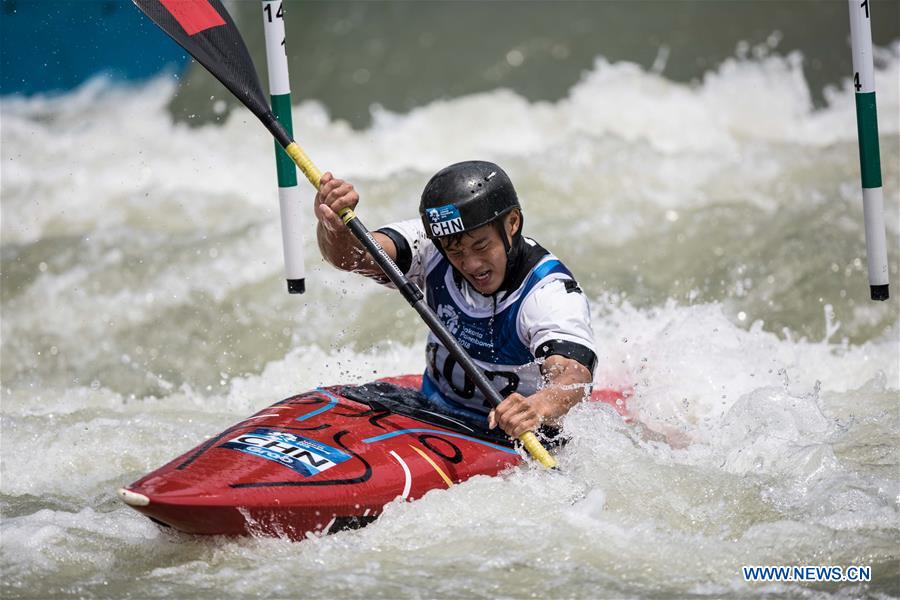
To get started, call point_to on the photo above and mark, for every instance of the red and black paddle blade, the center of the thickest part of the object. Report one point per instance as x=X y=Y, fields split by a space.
x=207 y=32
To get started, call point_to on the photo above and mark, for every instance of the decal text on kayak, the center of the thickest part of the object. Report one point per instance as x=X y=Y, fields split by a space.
x=302 y=455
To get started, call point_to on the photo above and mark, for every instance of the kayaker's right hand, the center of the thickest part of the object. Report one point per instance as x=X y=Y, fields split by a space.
x=333 y=196
x=517 y=415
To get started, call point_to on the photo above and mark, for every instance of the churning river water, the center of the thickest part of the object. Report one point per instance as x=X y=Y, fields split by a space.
x=716 y=227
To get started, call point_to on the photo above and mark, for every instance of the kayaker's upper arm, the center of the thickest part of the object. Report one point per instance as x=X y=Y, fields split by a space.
x=400 y=251
x=412 y=249
x=555 y=321
x=561 y=370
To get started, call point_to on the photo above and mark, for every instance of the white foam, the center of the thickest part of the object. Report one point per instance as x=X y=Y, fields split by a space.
x=42 y=542
x=102 y=157
x=690 y=365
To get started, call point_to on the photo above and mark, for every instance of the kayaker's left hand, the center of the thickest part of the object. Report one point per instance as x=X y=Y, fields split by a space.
x=516 y=415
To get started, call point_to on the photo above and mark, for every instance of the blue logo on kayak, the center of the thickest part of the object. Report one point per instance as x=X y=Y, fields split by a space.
x=301 y=455
x=444 y=220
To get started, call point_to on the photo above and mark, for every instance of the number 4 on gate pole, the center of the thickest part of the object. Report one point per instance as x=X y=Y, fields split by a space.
x=869 y=155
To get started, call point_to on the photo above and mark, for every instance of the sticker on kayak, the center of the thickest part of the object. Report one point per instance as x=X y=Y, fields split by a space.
x=444 y=220
x=304 y=456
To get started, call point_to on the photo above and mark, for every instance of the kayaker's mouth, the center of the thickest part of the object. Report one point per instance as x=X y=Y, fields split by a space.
x=481 y=280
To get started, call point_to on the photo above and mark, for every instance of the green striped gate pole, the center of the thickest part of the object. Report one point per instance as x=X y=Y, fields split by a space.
x=869 y=155
x=288 y=192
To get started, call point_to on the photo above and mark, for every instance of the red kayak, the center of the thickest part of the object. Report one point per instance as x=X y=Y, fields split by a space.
x=322 y=461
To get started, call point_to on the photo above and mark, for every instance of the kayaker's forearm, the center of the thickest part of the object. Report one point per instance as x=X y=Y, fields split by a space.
x=341 y=249
x=336 y=243
x=554 y=402
x=568 y=383
x=344 y=251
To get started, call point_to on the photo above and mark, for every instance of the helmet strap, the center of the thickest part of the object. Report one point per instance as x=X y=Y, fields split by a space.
x=513 y=251
x=501 y=229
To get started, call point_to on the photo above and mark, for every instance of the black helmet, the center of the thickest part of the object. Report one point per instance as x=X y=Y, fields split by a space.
x=466 y=196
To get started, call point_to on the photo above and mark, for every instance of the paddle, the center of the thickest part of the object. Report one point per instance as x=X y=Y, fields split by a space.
x=206 y=31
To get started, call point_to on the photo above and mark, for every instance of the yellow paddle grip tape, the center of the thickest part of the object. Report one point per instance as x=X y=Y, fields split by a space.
x=347 y=215
x=304 y=163
x=537 y=450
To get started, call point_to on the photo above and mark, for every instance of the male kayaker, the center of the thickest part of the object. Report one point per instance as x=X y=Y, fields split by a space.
x=511 y=304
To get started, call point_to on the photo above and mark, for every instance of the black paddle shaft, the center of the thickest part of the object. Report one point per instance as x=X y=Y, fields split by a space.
x=415 y=298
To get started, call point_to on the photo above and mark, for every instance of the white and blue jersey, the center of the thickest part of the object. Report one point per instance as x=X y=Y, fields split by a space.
x=505 y=334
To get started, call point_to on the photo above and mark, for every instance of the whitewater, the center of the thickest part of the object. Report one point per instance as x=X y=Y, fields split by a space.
x=716 y=228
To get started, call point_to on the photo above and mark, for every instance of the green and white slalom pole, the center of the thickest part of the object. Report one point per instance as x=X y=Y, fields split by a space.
x=288 y=191
x=869 y=155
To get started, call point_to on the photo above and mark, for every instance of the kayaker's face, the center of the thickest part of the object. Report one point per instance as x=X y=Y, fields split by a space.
x=480 y=255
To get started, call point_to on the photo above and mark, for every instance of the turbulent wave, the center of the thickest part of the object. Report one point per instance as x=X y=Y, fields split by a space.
x=716 y=227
